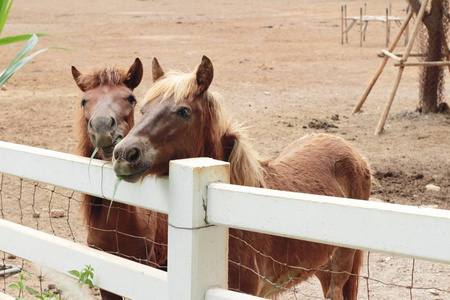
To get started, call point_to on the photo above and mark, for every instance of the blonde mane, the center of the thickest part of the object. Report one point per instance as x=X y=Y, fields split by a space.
x=245 y=163
x=245 y=166
x=103 y=76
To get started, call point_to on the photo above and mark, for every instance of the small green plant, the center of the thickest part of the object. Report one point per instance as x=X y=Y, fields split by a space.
x=85 y=276
x=21 y=286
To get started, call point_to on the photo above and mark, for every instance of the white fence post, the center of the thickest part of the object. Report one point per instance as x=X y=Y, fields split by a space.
x=198 y=252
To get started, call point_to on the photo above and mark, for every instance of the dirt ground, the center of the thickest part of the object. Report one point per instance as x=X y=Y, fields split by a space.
x=280 y=67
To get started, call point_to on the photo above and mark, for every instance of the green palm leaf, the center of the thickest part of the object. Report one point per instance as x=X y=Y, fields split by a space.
x=20 y=60
x=5 y=7
x=18 y=38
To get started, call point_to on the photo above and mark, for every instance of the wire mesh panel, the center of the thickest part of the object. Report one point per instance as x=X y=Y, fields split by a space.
x=47 y=209
x=58 y=212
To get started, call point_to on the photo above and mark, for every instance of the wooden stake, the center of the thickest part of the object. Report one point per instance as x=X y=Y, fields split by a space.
x=382 y=65
x=407 y=26
x=400 y=70
x=387 y=27
x=342 y=25
x=360 y=27
x=446 y=52
x=345 y=23
x=364 y=30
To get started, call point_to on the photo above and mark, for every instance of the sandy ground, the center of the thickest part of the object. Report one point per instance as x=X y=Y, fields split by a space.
x=279 y=66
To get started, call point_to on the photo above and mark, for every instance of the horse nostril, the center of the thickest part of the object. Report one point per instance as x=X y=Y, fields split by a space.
x=90 y=126
x=113 y=123
x=133 y=155
x=116 y=153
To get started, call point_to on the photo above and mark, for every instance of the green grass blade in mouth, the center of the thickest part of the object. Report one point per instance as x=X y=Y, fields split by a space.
x=117 y=141
x=90 y=161
x=116 y=185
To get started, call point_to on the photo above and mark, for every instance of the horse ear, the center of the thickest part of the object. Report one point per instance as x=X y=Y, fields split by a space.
x=157 y=71
x=76 y=76
x=134 y=75
x=205 y=74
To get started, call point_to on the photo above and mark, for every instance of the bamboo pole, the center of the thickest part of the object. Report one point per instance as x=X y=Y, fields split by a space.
x=391 y=55
x=415 y=54
x=423 y=64
x=389 y=103
x=358 y=106
x=383 y=118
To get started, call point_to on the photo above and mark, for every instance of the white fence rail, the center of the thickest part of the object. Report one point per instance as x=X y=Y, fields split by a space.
x=194 y=268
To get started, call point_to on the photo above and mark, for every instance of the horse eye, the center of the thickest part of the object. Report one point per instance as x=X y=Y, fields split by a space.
x=184 y=113
x=131 y=99
x=83 y=102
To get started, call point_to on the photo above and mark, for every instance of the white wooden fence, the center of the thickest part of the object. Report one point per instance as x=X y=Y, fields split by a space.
x=201 y=206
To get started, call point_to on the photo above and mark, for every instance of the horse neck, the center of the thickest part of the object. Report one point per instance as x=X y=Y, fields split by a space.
x=227 y=142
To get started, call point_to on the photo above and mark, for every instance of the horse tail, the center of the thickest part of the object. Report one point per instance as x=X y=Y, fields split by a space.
x=350 y=289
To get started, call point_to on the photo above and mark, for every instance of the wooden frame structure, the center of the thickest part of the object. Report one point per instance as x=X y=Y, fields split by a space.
x=401 y=62
x=363 y=20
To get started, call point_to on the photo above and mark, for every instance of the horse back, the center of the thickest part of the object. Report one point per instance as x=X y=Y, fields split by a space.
x=320 y=164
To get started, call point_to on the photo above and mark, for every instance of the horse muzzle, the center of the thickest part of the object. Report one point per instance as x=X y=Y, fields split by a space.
x=103 y=131
x=130 y=161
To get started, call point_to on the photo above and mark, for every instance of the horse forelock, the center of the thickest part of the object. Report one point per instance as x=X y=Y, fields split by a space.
x=173 y=86
x=110 y=76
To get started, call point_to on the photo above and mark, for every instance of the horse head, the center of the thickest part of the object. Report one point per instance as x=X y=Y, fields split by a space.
x=107 y=106
x=174 y=125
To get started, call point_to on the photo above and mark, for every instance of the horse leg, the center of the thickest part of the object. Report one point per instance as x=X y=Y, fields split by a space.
x=109 y=296
x=324 y=277
x=345 y=265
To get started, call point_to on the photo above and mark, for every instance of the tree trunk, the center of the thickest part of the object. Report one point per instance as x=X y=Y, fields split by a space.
x=431 y=77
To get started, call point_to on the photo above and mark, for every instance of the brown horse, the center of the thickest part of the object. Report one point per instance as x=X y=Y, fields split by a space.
x=182 y=119
x=106 y=115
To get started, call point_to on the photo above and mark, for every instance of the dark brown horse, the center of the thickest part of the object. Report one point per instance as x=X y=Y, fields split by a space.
x=182 y=119
x=107 y=115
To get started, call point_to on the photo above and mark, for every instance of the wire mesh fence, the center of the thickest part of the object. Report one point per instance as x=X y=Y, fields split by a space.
x=57 y=211
x=382 y=277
